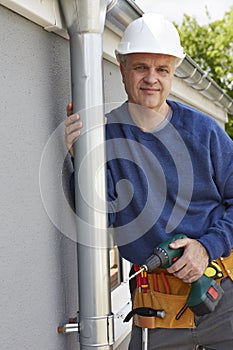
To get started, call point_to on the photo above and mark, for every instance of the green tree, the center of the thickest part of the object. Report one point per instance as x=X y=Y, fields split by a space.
x=211 y=46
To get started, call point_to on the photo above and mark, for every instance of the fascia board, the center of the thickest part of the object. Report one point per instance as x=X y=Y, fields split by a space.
x=44 y=13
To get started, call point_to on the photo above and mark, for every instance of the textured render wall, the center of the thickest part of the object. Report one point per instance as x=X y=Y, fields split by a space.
x=37 y=262
x=113 y=87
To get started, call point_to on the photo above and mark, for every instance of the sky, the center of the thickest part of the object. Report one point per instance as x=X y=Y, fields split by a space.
x=173 y=10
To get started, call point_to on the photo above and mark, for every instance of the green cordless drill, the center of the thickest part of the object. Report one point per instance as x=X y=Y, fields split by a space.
x=205 y=293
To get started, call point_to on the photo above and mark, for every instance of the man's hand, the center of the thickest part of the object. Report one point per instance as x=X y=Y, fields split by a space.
x=193 y=263
x=73 y=128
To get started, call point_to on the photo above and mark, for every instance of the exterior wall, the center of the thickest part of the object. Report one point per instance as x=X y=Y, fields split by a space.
x=113 y=87
x=38 y=263
x=186 y=94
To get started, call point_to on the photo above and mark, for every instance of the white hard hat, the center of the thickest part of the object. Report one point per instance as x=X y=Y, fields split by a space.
x=151 y=33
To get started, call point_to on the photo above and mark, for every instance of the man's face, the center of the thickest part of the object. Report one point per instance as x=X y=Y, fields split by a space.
x=148 y=78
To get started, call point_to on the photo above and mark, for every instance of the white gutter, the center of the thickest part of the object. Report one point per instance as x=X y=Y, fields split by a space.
x=195 y=77
x=120 y=13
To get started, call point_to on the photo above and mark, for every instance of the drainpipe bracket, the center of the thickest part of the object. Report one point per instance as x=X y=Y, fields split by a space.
x=71 y=327
x=68 y=328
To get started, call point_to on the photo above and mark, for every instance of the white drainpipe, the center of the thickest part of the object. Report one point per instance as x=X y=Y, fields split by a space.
x=85 y=23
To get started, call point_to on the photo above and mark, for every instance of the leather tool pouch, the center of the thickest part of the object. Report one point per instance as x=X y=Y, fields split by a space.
x=171 y=303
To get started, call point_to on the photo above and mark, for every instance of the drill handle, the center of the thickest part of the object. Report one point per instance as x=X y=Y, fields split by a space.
x=168 y=255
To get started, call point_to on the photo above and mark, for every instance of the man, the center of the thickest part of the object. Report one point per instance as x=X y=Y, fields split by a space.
x=176 y=164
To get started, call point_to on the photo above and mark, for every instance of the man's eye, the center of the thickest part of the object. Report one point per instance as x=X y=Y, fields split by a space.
x=141 y=68
x=162 y=70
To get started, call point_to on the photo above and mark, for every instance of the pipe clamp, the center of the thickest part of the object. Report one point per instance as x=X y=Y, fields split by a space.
x=97 y=331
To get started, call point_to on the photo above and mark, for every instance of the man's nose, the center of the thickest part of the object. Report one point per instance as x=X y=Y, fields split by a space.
x=151 y=76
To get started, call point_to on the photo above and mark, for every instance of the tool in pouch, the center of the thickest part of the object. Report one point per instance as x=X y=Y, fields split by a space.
x=145 y=312
x=205 y=293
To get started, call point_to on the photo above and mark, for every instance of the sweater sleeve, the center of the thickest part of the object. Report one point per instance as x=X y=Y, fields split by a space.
x=218 y=240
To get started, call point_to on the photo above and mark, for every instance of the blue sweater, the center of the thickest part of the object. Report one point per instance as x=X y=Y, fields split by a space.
x=177 y=179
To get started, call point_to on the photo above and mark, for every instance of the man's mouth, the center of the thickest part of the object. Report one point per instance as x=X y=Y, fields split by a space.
x=149 y=89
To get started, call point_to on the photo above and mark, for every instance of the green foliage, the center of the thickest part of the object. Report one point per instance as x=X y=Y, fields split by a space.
x=229 y=127
x=211 y=46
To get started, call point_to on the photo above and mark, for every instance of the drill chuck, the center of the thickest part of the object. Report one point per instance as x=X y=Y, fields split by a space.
x=158 y=259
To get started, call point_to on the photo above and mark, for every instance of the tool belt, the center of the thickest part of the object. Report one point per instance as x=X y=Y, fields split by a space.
x=164 y=291
x=226 y=265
